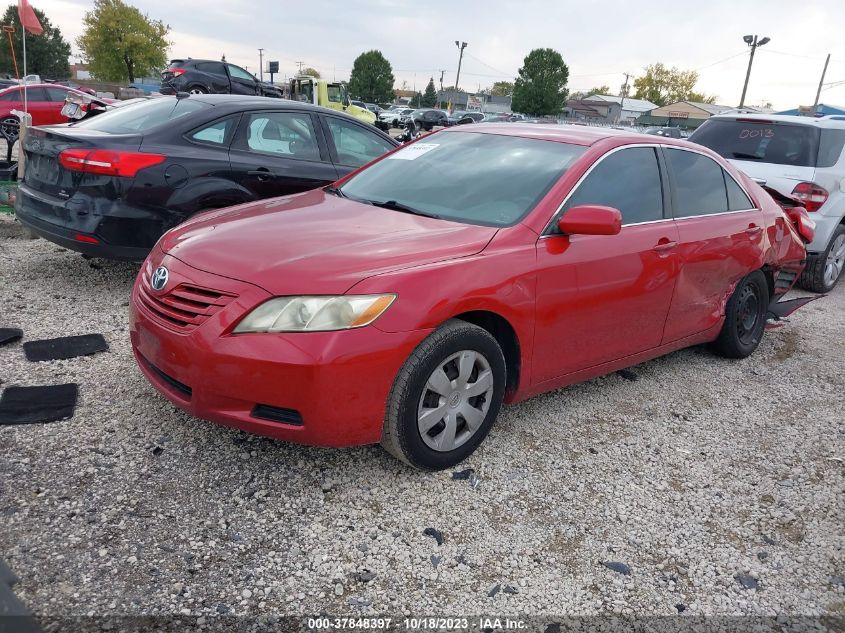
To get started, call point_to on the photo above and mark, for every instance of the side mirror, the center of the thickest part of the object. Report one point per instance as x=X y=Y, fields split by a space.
x=588 y=219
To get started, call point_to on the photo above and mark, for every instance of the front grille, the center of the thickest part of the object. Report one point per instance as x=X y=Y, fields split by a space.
x=185 y=307
x=277 y=414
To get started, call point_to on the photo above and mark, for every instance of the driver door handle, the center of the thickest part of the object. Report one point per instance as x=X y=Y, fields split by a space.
x=753 y=230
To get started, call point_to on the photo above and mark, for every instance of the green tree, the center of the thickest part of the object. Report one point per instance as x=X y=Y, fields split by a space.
x=540 y=89
x=502 y=89
x=311 y=72
x=46 y=54
x=371 y=79
x=429 y=99
x=416 y=100
x=120 y=43
x=662 y=85
x=600 y=90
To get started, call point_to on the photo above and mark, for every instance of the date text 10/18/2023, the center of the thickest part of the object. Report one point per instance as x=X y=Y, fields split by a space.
x=418 y=624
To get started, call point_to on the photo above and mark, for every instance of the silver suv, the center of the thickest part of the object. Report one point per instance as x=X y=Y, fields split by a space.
x=802 y=158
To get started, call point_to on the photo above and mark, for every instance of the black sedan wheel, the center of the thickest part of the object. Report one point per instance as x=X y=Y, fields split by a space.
x=446 y=397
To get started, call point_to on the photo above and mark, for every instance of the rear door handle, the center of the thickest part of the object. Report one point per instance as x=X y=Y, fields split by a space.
x=664 y=247
x=753 y=230
x=262 y=173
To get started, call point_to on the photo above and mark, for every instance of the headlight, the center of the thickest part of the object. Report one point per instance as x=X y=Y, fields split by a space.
x=315 y=314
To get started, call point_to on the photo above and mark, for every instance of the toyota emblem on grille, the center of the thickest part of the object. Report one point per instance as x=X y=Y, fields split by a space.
x=158 y=280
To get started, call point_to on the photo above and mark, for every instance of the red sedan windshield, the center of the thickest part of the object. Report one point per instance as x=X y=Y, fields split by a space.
x=469 y=177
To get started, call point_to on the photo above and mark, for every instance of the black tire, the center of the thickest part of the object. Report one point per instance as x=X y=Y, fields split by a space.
x=745 y=318
x=813 y=278
x=401 y=436
x=198 y=90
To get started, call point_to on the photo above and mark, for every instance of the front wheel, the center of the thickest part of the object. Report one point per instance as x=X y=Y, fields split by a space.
x=745 y=318
x=824 y=270
x=446 y=397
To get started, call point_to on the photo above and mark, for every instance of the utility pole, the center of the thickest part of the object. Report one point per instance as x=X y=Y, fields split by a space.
x=624 y=94
x=821 y=81
x=461 y=46
x=751 y=40
x=261 y=64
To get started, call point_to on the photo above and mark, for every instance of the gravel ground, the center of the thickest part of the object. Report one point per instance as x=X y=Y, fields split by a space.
x=702 y=478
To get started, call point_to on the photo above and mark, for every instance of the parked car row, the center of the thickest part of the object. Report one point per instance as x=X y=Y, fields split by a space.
x=401 y=294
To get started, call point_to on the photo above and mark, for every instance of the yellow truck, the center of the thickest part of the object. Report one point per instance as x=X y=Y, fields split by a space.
x=329 y=94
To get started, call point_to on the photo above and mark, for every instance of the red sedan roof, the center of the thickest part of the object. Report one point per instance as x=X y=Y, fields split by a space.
x=564 y=133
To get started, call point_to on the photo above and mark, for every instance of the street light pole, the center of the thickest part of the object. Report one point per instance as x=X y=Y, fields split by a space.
x=461 y=46
x=261 y=64
x=751 y=40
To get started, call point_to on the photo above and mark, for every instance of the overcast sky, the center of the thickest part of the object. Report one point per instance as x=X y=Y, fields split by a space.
x=598 y=40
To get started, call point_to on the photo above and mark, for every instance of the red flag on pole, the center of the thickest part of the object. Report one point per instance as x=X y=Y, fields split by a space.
x=28 y=18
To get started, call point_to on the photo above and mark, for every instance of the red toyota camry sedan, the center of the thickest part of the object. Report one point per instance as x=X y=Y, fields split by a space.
x=482 y=264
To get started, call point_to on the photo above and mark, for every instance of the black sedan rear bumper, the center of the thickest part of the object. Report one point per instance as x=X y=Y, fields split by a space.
x=87 y=233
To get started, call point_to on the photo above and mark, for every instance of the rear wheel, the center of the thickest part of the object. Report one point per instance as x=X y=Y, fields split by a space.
x=198 y=90
x=446 y=397
x=824 y=270
x=745 y=318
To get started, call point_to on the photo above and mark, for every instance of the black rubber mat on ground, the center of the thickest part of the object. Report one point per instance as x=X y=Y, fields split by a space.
x=65 y=347
x=28 y=405
x=14 y=616
x=9 y=334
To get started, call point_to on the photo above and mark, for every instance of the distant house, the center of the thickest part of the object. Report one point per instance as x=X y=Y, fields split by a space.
x=79 y=71
x=629 y=108
x=685 y=114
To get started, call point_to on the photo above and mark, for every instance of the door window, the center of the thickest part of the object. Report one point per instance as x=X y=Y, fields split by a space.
x=737 y=200
x=33 y=94
x=628 y=180
x=699 y=184
x=56 y=94
x=14 y=95
x=217 y=133
x=215 y=68
x=335 y=93
x=239 y=73
x=355 y=145
x=289 y=134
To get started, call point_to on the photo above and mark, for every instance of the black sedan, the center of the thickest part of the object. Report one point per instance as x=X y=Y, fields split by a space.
x=428 y=118
x=110 y=186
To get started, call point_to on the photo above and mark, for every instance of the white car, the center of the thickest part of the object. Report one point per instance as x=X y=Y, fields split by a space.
x=395 y=117
x=802 y=158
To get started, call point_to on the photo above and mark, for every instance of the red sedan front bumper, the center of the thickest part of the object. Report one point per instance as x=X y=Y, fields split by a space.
x=321 y=388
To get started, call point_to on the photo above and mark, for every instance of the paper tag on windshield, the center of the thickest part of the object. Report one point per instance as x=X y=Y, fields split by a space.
x=412 y=152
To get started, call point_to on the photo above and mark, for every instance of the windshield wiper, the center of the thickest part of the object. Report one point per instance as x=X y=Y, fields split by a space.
x=334 y=191
x=398 y=206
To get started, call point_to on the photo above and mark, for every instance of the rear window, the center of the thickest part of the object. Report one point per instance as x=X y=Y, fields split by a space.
x=142 y=116
x=761 y=141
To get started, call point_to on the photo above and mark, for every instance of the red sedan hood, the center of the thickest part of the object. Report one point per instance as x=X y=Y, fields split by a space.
x=314 y=243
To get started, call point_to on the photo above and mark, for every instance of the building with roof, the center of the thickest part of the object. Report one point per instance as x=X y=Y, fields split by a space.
x=629 y=108
x=685 y=114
